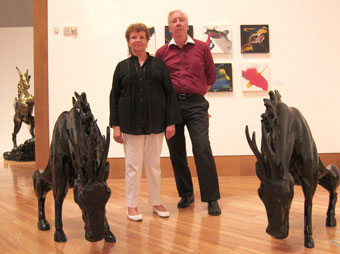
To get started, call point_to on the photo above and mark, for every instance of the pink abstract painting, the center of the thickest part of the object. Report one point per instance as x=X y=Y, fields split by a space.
x=255 y=77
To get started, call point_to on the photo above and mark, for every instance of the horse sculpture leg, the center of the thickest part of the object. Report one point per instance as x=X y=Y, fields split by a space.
x=59 y=234
x=60 y=188
x=308 y=231
x=331 y=220
x=41 y=187
x=308 y=188
x=31 y=123
x=330 y=181
x=309 y=242
x=109 y=236
x=17 y=126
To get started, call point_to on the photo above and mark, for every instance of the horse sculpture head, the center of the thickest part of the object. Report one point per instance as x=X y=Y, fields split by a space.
x=23 y=85
x=91 y=191
x=277 y=185
x=24 y=79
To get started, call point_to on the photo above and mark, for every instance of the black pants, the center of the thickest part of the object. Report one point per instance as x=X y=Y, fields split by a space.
x=194 y=110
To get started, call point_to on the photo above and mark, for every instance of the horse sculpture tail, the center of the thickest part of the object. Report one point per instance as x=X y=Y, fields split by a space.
x=328 y=176
x=334 y=171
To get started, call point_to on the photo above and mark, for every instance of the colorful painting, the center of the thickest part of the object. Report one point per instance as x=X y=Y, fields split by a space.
x=224 y=78
x=168 y=35
x=255 y=77
x=218 y=38
x=152 y=42
x=254 y=39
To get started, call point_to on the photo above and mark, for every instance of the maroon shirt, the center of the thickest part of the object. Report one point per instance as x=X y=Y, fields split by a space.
x=191 y=67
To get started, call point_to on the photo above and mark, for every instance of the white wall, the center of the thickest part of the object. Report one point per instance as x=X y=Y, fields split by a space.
x=16 y=49
x=303 y=58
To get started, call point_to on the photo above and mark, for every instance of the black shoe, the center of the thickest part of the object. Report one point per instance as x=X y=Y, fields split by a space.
x=185 y=201
x=214 y=208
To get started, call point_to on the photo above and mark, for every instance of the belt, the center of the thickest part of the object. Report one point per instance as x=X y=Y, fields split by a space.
x=184 y=96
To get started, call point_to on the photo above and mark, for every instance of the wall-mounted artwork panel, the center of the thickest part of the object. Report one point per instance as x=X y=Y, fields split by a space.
x=224 y=78
x=254 y=39
x=152 y=42
x=168 y=35
x=255 y=77
x=218 y=38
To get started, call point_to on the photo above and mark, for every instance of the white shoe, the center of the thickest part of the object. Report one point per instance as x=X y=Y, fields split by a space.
x=160 y=213
x=138 y=217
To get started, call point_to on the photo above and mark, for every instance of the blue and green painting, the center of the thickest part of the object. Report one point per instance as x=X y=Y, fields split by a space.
x=224 y=78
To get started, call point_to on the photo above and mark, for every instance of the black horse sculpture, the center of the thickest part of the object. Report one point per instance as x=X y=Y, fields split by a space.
x=289 y=156
x=78 y=155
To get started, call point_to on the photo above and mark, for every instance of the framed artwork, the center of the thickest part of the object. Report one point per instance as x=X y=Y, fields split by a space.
x=152 y=42
x=168 y=35
x=218 y=38
x=255 y=77
x=224 y=78
x=254 y=39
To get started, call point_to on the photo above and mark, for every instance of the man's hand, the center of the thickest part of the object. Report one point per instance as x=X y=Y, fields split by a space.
x=170 y=131
x=117 y=135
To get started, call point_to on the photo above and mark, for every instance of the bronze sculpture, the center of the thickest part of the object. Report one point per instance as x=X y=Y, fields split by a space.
x=23 y=106
x=78 y=155
x=289 y=156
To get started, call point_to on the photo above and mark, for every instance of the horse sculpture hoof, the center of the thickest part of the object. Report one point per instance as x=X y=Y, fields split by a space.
x=331 y=221
x=43 y=225
x=110 y=237
x=309 y=242
x=59 y=236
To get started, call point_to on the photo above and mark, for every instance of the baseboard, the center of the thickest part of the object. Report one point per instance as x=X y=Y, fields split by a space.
x=239 y=165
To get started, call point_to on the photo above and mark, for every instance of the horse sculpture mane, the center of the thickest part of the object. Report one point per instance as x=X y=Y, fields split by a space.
x=289 y=156
x=78 y=155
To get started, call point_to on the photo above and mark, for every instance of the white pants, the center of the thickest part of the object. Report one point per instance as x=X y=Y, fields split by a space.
x=139 y=148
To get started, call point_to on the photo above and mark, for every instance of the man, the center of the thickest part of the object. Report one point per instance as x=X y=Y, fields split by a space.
x=192 y=72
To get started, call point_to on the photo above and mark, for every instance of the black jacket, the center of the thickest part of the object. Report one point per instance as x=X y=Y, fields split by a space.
x=142 y=100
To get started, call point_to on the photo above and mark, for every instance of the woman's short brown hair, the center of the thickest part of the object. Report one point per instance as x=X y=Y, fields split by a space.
x=137 y=27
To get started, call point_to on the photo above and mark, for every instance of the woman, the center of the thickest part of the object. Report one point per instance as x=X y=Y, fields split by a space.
x=143 y=106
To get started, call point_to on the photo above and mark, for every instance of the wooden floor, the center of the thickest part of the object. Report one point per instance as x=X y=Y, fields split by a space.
x=240 y=229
